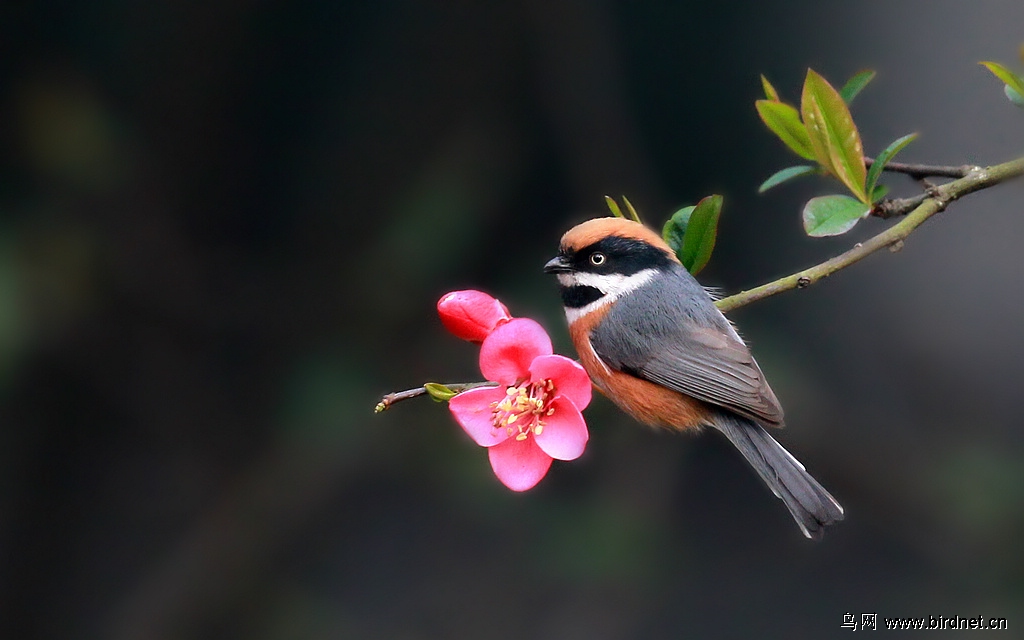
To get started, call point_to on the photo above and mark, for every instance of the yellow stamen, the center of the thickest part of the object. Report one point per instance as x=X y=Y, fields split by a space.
x=519 y=412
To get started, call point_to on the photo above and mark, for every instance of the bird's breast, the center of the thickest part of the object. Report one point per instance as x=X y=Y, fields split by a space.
x=646 y=401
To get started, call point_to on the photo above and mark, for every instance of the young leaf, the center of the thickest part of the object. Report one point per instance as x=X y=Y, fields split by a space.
x=1011 y=79
x=833 y=134
x=769 y=90
x=784 y=121
x=631 y=209
x=879 y=192
x=675 y=228
x=1015 y=98
x=699 y=239
x=854 y=85
x=439 y=392
x=832 y=215
x=788 y=173
x=614 y=206
x=884 y=158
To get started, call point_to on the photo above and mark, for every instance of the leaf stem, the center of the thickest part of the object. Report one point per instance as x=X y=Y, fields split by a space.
x=975 y=179
x=398 y=396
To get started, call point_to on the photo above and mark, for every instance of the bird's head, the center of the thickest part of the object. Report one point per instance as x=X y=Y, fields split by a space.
x=603 y=259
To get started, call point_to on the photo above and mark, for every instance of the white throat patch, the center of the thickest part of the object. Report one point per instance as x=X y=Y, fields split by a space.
x=612 y=285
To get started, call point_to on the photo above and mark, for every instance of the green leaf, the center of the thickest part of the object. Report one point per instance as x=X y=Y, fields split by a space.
x=879 y=192
x=699 y=238
x=885 y=158
x=769 y=90
x=614 y=207
x=788 y=173
x=832 y=215
x=833 y=134
x=1011 y=79
x=784 y=121
x=439 y=392
x=854 y=85
x=1015 y=98
x=675 y=228
x=631 y=209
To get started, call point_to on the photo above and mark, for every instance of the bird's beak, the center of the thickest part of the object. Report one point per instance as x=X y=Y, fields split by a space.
x=558 y=264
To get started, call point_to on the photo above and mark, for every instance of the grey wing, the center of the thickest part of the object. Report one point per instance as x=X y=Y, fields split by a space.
x=674 y=336
x=716 y=369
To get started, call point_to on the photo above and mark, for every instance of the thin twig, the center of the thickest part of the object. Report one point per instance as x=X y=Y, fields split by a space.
x=398 y=396
x=920 y=171
x=899 y=206
x=934 y=202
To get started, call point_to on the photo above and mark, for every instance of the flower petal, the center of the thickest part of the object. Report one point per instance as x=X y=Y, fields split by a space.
x=471 y=315
x=570 y=379
x=564 y=435
x=472 y=410
x=506 y=354
x=519 y=464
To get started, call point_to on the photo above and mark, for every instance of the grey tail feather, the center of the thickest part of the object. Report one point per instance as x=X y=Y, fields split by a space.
x=812 y=507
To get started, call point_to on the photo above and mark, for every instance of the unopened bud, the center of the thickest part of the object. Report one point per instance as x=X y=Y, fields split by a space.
x=471 y=315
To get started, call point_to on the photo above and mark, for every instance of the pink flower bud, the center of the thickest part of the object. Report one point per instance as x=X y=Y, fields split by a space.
x=471 y=315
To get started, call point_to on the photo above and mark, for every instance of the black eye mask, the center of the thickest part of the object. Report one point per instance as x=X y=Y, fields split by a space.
x=622 y=255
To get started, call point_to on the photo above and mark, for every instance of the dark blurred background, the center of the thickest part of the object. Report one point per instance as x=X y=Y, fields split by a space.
x=223 y=229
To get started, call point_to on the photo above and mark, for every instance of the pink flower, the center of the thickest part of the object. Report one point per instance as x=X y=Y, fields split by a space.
x=533 y=415
x=471 y=315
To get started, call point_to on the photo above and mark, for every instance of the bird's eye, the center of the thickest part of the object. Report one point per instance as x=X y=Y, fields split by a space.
x=597 y=259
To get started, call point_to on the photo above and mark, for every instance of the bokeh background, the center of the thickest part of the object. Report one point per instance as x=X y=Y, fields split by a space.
x=223 y=229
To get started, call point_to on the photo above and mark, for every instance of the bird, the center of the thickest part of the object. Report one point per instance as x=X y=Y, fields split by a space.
x=653 y=342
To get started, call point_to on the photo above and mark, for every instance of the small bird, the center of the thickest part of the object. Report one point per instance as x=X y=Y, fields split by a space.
x=653 y=341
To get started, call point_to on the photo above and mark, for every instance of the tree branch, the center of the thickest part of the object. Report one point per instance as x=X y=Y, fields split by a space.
x=920 y=208
x=936 y=200
x=398 y=396
x=919 y=171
